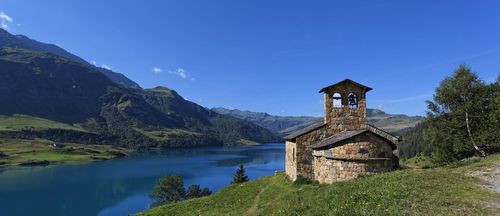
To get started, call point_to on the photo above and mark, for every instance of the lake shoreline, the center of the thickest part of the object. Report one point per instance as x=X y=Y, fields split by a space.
x=42 y=152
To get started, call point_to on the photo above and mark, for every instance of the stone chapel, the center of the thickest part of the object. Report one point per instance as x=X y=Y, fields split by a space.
x=343 y=146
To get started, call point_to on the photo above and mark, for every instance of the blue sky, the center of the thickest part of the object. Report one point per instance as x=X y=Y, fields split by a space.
x=273 y=56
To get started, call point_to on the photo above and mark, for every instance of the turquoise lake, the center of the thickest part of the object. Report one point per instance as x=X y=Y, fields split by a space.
x=121 y=186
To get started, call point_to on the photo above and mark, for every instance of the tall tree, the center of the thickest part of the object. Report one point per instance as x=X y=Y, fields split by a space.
x=239 y=176
x=460 y=116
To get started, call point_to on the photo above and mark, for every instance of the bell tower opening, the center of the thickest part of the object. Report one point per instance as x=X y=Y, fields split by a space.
x=345 y=105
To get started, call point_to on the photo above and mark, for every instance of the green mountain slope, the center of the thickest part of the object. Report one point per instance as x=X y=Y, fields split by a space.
x=21 y=41
x=284 y=125
x=70 y=94
x=440 y=191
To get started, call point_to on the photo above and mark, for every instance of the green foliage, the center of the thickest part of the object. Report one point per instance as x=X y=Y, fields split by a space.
x=195 y=191
x=414 y=142
x=440 y=191
x=169 y=189
x=239 y=176
x=463 y=101
x=205 y=192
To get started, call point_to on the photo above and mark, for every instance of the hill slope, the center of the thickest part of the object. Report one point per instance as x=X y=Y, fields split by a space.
x=65 y=94
x=440 y=191
x=284 y=125
x=24 y=42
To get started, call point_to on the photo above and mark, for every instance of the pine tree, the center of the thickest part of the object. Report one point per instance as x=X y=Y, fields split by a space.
x=239 y=176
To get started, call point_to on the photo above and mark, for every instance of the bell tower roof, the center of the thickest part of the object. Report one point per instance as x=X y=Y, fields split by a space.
x=344 y=83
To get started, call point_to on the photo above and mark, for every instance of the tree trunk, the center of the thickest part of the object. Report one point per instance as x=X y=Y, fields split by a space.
x=483 y=154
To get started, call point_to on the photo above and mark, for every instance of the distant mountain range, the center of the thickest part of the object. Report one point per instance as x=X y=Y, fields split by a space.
x=47 y=92
x=284 y=125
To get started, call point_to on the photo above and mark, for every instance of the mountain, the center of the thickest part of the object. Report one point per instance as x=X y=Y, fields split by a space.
x=71 y=101
x=280 y=125
x=24 y=42
x=284 y=125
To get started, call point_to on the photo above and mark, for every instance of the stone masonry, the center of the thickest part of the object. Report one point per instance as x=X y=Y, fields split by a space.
x=344 y=146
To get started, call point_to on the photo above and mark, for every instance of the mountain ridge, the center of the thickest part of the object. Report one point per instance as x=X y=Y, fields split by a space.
x=284 y=125
x=22 y=41
x=61 y=91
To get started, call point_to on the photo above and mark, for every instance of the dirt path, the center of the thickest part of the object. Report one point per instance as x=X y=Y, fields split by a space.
x=253 y=209
x=491 y=177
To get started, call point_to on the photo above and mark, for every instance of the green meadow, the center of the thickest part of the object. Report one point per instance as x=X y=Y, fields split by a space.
x=439 y=191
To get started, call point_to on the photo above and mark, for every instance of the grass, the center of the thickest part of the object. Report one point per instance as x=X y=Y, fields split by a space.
x=419 y=161
x=438 y=191
x=19 y=122
x=20 y=151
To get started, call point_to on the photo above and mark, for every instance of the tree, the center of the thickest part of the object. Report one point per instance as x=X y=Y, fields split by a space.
x=169 y=189
x=193 y=191
x=239 y=176
x=206 y=192
x=460 y=117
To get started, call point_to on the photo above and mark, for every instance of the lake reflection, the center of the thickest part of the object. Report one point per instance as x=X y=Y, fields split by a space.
x=121 y=186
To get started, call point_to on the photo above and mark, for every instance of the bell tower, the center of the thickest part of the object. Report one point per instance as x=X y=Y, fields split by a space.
x=345 y=106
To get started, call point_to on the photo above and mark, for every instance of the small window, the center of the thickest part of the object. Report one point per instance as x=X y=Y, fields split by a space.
x=352 y=100
x=293 y=154
x=337 y=100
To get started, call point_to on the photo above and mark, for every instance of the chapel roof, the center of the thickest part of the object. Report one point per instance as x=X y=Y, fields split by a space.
x=346 y=81
x=338 y=137
x=305 y=130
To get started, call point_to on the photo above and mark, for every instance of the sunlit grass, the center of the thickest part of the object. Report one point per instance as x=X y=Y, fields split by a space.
x=438 y=191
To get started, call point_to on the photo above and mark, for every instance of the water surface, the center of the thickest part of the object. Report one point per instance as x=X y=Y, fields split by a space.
x=121 y=186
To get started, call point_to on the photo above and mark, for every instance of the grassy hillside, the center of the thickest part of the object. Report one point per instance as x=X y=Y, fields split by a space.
x=40 y=152
x=21 y=122
x=441 y=191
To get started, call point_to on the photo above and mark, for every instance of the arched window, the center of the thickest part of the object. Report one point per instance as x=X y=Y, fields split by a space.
x=352 y=100
x=337 y=100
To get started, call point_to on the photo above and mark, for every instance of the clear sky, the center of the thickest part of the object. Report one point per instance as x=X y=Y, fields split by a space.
x=273 y=56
